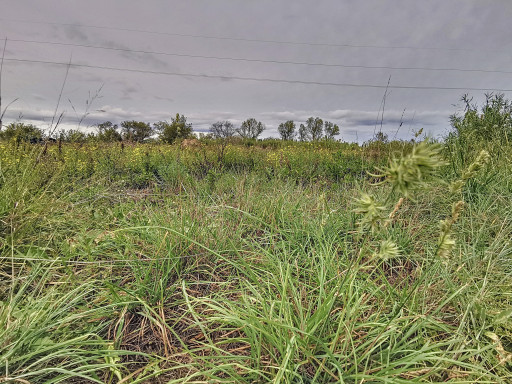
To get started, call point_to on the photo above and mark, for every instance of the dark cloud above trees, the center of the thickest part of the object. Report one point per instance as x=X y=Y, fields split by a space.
x=457 y=34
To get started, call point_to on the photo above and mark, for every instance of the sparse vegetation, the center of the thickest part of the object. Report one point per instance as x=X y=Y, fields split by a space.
x=279 y=261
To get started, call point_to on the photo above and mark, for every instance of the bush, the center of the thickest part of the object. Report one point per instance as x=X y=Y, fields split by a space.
x=480 y=127
x=21 y=132
x=178 y=128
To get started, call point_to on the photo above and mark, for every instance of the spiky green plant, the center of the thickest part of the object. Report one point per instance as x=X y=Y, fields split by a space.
x=409 y=173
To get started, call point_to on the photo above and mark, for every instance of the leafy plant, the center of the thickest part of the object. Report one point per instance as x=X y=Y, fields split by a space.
x=178 y=128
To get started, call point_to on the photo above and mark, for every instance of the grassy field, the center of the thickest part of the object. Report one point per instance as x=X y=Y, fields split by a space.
x=258 y=262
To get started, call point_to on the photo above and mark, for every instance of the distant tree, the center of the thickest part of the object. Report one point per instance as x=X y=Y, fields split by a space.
x=21 y=132
x=178 y=128
x=251 y=129
x=74 y=136
x=107 y=132
x=380 y=137
x=304 y=133
x=222 y=130
x=312 y=130
x=331 y=130
x=136 y=130
x=315 y=127
x=287 y=130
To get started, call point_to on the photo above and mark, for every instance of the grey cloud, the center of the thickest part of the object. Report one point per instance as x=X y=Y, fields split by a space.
x=211 y=117
x=364 y=118
x=392 y=117
x=287 y=115
x=124 y=51
x=471 y=25
x=170 y=99
x=8 y=52
x=41 y=117
x=89 y=77
x=202 y=121
x=129 y=93
x=114 y=114
x=38 y=97
x=75 y=34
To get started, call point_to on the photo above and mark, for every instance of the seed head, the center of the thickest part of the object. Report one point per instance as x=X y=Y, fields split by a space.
x=482 y=159
x=446 y=240
x=373 y=212
x=388 y=250
x=409 y=172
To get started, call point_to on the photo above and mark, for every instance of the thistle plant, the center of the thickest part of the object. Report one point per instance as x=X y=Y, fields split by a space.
x=408 y=173
x=482 y=159
x=388 y=250
x=446 y=240
x=373 y=211
x=405 y=174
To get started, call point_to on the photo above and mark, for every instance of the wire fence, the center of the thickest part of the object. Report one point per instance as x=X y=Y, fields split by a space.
x=252 y=60
x=254 y=40
x=259 y=79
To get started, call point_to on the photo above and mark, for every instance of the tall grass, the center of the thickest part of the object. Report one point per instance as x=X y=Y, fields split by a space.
x=275 y=265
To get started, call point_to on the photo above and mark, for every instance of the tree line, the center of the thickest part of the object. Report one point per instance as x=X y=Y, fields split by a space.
x=169 y=131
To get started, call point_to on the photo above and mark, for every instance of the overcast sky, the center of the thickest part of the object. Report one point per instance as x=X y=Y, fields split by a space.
x=194 y=57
